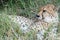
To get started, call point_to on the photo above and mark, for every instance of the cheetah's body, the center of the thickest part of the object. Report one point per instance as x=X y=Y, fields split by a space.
x=48 y=18
x=27 y=24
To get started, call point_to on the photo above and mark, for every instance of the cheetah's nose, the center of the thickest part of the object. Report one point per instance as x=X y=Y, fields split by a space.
x=44 y=10
x=37 y=16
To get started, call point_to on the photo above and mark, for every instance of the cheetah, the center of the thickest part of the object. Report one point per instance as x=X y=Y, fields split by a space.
x=46 y=17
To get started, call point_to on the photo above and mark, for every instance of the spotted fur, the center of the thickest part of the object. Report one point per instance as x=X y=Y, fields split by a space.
x=47 y=16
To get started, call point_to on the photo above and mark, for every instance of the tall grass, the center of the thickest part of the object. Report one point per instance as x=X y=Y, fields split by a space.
x=27 y=8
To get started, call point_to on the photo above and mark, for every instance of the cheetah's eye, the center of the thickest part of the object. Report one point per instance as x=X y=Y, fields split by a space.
x=44 y=10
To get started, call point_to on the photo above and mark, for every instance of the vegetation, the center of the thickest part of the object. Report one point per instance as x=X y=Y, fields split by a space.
x=27 y=8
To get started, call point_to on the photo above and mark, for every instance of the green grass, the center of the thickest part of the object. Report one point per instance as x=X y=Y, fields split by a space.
x=27 y=8
x=11 y=31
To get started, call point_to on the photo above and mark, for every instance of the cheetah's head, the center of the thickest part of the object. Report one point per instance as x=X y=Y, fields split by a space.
x=48 y=13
